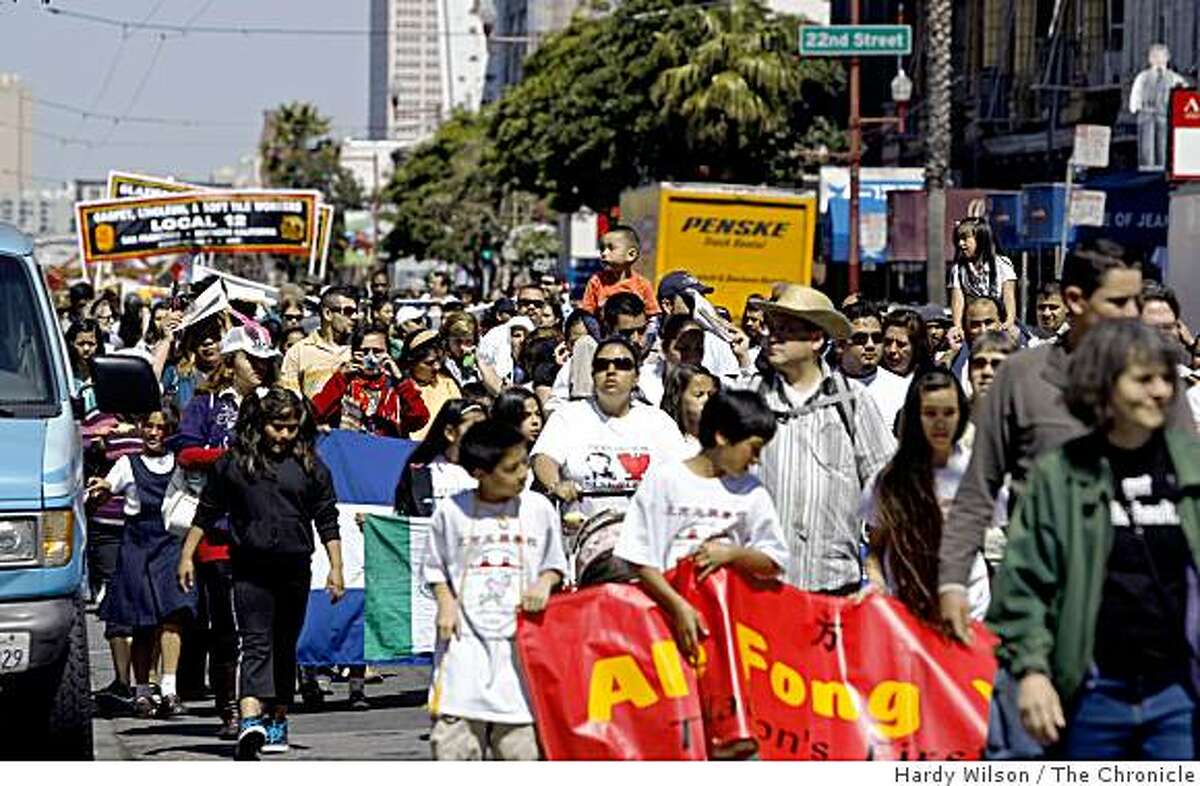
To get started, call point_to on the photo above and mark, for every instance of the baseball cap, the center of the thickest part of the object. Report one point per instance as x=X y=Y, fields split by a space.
x=931 y=312
x=408 y=313
x=252 y=341
x=678 y=282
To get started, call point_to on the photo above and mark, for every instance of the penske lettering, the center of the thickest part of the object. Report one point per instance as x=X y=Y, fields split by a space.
x=705 y=225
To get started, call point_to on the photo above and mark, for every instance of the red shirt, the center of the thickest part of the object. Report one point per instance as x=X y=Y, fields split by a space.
x=609 y=281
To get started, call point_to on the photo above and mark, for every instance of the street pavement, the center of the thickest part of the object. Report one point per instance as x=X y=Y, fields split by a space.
x=396 y=727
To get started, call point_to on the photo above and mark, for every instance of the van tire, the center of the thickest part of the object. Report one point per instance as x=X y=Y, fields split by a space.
x=69 y=720
x=54 y=721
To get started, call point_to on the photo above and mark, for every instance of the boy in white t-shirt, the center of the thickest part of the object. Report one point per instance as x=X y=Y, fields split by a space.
x=708 y=506
x=492 y=550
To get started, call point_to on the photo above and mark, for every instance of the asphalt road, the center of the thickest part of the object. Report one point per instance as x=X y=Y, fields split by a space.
x=396 y=727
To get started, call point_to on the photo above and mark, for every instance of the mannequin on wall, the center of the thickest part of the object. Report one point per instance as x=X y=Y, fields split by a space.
x=1149 y=100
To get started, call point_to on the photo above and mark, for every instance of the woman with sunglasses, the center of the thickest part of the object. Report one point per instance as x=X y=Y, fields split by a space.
x=593 y=453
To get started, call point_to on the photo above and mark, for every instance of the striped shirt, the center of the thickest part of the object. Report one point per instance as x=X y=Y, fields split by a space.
x=816 y=472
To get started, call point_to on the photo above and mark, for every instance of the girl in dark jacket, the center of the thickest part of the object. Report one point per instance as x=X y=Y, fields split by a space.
x=274 y=490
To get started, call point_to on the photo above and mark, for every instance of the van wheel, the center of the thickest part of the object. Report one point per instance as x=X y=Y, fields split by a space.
x=51 y=714
x=70 y=715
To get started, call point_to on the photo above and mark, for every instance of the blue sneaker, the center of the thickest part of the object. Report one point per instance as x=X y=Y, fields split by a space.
x=277 y=737
x=252 y=735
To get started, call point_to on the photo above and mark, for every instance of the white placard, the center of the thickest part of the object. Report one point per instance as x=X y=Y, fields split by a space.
x=1091 y=146
x=1087 y=208
x=1186 y=153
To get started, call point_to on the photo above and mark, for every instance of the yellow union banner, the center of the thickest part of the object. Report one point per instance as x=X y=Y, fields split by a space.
x=220 y=221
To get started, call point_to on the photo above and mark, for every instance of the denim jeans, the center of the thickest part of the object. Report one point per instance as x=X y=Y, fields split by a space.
x=1129 y=719
x=1007 y=739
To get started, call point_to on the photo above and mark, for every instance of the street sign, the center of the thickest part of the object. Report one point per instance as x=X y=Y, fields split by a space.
x=1091 y=146
x=855 y=40
x=1087 y=208
x=1184 y=157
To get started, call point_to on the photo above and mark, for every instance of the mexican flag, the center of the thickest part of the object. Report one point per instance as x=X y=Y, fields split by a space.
x=387 y=614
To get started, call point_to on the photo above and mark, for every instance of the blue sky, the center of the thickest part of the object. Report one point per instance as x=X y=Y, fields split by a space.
x=229 y=79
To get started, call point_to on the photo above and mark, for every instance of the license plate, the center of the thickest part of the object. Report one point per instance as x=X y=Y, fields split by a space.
x=14 y=652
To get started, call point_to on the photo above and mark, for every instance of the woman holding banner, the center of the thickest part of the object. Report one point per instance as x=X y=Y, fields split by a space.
x=1094 y=599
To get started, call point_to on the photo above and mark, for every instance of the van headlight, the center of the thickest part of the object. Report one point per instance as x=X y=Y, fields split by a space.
x=18 y=540
x=58 y=537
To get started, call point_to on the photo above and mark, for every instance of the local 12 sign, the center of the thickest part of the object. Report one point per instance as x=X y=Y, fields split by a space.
x=1184 y=156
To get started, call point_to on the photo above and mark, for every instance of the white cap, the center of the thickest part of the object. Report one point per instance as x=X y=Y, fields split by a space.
x=254 y=342
x=406 y=313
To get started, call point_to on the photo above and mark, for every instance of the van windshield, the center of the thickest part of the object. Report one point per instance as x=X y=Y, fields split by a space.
x=25 y=376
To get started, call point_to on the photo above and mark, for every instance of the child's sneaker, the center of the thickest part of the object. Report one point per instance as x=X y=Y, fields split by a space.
x=277 y=737
x=251 y=739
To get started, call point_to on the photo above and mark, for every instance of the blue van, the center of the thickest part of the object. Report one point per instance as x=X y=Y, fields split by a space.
x=45 y=688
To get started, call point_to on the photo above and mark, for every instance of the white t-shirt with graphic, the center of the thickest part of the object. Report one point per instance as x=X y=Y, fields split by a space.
x=675 y=511
x=608 y=454
x=488 y=554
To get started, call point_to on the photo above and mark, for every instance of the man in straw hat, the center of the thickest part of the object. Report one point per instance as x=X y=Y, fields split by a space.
x=831 y=439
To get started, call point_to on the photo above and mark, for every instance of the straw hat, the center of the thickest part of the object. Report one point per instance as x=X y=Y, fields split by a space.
x=811 y=306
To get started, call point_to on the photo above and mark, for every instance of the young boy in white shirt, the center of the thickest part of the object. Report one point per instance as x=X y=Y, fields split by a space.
x=708 y=506
x=492 y=550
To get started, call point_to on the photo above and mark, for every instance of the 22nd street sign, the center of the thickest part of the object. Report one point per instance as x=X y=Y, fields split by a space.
x=855 y=40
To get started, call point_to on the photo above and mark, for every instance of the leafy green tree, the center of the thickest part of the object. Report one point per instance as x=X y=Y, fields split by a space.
x=444 y=197
x=660 y=89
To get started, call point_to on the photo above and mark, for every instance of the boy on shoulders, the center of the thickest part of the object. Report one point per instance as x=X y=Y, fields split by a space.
x=620 y=249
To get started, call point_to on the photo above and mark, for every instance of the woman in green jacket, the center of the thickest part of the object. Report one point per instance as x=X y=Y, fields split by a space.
x=1095 y=603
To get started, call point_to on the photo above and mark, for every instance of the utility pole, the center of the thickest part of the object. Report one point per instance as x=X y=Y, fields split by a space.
x=852 y=255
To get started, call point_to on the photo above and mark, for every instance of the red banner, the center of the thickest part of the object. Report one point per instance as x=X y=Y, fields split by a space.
x=790 y=674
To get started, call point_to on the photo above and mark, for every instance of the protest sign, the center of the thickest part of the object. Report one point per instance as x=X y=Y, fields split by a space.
x=794 y=675
x=222 y=221
x=127 y=185
x=320 y=250
x=620 y=690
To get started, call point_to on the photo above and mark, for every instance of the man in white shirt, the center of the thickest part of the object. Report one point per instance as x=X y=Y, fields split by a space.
x=860 y=356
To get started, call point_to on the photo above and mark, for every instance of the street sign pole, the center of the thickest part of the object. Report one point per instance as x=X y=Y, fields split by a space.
x=852 y=254
x=854 y=41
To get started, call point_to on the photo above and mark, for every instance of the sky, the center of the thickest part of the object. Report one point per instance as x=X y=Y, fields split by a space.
x=205 y=78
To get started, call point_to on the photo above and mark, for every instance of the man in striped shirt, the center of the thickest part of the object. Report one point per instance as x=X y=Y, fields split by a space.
x=831 y=439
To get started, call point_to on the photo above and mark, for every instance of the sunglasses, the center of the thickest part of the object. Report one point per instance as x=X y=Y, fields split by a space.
x=346 y=311
x=986 y=362
x=861 y=339
x=526 y=303
x=600 y=365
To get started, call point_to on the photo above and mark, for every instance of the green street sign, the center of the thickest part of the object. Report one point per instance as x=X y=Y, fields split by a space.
x=855 y=40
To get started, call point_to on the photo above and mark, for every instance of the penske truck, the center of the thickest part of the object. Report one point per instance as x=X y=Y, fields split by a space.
x=740 y=240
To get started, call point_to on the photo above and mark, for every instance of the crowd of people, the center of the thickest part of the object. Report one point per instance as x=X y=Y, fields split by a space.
x=1042 y=478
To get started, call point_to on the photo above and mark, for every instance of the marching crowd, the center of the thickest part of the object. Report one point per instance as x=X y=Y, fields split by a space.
x=1043 y=478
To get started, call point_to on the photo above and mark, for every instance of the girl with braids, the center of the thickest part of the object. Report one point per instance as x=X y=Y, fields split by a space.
x=980 y=270
x=905 y=505
x=273 y=489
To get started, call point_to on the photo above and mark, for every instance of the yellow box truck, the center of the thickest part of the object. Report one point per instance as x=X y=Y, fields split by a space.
x=737 y=239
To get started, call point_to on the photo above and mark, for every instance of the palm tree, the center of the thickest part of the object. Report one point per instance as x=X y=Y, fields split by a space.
x=938 y=82
x=735 y=87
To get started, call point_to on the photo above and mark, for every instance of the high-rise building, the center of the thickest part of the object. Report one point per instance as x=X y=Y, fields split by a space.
x=16 y=135
x=519 y=27
x=427 y=58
